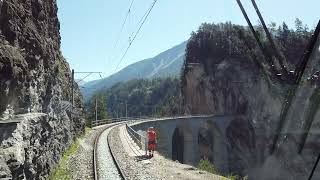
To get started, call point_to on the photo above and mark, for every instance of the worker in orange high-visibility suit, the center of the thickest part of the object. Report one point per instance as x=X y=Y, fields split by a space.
x=152 y=140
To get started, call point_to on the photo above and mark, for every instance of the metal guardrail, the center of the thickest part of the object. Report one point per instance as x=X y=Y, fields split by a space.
x=122 y=119
x=144 y=118
x=137 y=138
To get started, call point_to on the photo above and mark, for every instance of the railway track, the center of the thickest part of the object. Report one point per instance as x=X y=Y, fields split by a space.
x=115 y=165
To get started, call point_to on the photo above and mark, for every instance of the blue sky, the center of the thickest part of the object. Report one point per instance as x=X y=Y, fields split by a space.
x=89 y=28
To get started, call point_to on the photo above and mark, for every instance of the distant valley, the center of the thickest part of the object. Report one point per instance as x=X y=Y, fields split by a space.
x=166 y=64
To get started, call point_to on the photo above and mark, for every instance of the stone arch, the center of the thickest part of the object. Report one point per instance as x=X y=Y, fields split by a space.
x=205 y=141
x=183 y=148
x=188 y=141
x=178 y=145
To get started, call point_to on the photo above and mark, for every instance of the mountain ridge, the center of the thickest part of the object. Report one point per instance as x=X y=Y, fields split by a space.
x=165 y=64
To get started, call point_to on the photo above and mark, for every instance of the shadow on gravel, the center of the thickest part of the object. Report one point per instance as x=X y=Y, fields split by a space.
x=141 y=158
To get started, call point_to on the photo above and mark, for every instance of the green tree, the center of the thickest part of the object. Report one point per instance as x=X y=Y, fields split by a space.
x=159 y=97
x=299 y=26
x=285 y=32
x=99 y=100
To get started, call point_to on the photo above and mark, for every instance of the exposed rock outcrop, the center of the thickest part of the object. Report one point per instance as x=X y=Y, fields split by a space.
x=34 y=78
x=225 y=73
x=34 y=146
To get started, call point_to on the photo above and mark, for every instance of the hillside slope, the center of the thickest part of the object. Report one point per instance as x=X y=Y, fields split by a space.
x=144 y=97
x=166 y=64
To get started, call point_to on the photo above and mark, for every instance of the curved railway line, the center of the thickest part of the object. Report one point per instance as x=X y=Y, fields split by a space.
x=95 y=153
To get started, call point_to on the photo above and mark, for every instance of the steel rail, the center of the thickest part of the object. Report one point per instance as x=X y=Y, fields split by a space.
x=116 y=162
x=95 y=153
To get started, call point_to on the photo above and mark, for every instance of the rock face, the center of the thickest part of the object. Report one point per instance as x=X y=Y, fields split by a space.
x=226 y=74
x=34 y=146
x=232 y=84
x=34 y=78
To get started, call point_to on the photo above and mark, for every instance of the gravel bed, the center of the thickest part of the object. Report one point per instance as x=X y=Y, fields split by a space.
x=106 y=167
x=132 y=167
x=157 y=168
x=81 y=163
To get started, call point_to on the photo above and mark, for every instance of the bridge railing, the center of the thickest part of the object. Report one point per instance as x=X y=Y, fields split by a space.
x=138 y=138
x=135 y=119
x=115 y=120
x=107 y=121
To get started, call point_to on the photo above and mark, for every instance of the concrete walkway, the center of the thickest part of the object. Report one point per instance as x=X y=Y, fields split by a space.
x=128 y=144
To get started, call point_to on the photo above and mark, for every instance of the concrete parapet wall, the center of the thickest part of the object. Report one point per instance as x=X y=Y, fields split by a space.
x=190 y=129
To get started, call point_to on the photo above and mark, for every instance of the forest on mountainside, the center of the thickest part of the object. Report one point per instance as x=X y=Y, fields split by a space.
x=227 y=47
x=227 y=40
x=143 y=97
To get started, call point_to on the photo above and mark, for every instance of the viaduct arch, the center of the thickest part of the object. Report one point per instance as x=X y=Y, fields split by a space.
x=189 y=139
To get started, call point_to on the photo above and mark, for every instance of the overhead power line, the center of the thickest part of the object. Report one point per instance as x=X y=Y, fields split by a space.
x=83 y=78
x=123 y=24
x=121 y=29
x=88 y=74
x=140 y=21
x=144 y=18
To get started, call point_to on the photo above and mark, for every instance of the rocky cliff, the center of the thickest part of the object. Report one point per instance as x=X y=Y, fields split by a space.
x=225 y=73
x=36 y=120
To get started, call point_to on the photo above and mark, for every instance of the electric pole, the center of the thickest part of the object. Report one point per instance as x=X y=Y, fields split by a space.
x=117 y=113
x=126 y=110
x=72 y=82
x=179 y=113
x=72 y=88
x=96 y=108
x=154 y=111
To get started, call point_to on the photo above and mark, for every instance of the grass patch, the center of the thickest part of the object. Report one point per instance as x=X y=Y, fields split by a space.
x=62 y=171
x=206 y=165
x=87 y=131
x=234 y=177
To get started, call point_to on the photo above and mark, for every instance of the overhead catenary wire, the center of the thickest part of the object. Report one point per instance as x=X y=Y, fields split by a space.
x=122 y=26
x=140 y=21
x=144 y=18
x=89 y=74
x=83 y=78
